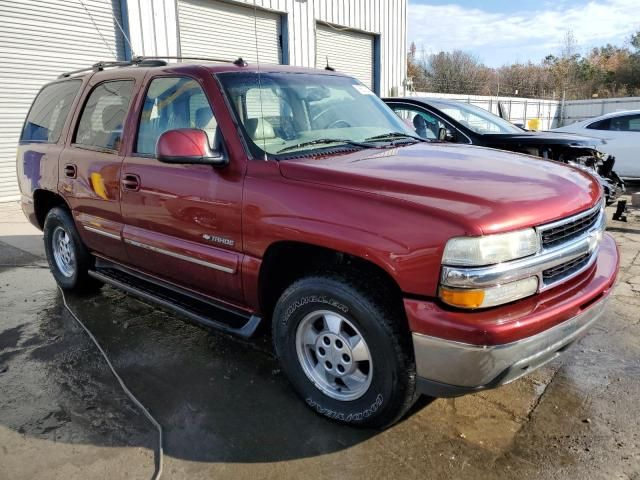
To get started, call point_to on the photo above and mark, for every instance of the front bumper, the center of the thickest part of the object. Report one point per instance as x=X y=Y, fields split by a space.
x=452 y=366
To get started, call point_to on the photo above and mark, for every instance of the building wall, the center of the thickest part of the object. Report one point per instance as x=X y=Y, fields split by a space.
x=154 y=29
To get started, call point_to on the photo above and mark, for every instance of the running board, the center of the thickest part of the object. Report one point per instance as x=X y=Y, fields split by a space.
x=196 y=307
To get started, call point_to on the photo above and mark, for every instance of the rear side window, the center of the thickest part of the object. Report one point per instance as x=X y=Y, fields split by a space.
x=102 y=119
x=623 y=123
x=49 y=112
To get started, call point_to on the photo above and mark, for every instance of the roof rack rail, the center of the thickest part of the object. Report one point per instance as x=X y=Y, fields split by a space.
x=238 y=61
x=145 y=61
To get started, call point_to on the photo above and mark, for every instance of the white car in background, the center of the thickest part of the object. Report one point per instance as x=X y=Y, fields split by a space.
x=621 y=133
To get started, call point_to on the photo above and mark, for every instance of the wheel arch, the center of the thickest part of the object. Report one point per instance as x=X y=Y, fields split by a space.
x=44 y=201
x=287 y=261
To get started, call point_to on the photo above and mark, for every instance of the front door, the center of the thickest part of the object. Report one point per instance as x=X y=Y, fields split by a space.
x=182 y=222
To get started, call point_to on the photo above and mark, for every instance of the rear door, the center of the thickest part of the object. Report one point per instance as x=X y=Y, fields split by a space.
x=182 y=222
x=90 y=164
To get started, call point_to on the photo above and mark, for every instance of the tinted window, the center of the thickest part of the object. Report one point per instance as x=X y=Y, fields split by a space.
x=49 y=111
x=173 y=103
x=103 y=115
x=601 y=125
x=623 y=123
x=634 y=123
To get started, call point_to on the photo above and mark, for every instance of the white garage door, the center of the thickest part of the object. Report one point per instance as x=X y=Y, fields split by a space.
x=38 y=41
x=222 y=30
x=347 y=51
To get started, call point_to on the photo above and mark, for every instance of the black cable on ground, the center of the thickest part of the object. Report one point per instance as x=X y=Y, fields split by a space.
x=159 y=452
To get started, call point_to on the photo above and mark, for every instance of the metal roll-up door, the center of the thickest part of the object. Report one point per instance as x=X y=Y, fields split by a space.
x=38 y=41
x=347 y=51
x=226 y=31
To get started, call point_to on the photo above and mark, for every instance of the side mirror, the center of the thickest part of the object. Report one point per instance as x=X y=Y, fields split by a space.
x=446 y=135
x=188 y=145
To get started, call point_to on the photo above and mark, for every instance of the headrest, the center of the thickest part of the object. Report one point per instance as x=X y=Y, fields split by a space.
x=204 y=115
x=259 y=129
x=112 y=116
x=419 y=121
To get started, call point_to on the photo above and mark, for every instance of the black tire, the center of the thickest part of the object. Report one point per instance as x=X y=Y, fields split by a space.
x=79 y=280
x=381 y=323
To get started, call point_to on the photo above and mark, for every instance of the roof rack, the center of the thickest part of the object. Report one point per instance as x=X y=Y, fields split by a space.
x=144 y=61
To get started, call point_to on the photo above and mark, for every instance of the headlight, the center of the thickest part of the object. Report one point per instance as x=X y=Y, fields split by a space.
x=490 y=249
x=491 y=296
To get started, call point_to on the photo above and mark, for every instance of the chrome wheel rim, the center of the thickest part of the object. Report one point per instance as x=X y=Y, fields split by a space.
x=334 y=355
x=63 y=253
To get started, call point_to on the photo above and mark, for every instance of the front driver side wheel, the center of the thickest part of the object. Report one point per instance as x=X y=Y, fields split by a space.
x=345 y=350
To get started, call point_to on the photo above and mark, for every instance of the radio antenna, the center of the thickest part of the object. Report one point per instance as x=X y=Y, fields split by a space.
x=260 y=123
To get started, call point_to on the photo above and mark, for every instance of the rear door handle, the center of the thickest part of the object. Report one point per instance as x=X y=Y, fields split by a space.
x=70 y=170
x=131 y=182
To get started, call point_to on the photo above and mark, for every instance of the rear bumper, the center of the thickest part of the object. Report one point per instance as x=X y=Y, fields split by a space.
x=454 y=366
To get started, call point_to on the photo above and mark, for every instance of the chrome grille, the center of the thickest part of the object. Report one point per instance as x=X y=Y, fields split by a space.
x=564 y=232
x=565 y=269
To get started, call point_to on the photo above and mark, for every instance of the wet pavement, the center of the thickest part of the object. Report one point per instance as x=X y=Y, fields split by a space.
x=228 y=412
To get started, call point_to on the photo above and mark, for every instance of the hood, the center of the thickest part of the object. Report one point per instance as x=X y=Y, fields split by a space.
x=543 y=138
x=483 y=190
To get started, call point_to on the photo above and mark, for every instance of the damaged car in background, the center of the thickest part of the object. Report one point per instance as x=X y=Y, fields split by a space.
x=453 y=121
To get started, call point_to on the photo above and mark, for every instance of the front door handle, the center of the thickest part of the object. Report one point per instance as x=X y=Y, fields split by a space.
x=131 y=182
x=70 y=170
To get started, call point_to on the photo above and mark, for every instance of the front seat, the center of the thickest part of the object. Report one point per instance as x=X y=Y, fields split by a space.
x=260 y=130
x=206 y=121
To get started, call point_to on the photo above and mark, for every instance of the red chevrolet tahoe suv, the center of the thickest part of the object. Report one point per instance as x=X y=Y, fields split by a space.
x=387 y=266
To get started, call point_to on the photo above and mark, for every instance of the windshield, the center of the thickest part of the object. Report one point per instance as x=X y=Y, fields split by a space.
x=475 y=118
x=284 y=114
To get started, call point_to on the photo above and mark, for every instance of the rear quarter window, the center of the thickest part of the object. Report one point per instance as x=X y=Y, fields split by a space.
x=600 y=125
x=49 y=111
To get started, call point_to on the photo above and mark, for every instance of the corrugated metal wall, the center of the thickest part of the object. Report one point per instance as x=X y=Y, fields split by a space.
x=347 y=51
x=233 y=26
x=38 y=41
x=577 y=110
x=384 y=18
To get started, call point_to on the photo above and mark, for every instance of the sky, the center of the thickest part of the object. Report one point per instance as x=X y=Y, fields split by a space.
x=509 y=31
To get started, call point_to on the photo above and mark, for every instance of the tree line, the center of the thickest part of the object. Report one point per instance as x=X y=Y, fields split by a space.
x=607 y=71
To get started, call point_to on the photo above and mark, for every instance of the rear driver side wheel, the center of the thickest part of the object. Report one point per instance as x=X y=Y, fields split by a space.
x=69 y=260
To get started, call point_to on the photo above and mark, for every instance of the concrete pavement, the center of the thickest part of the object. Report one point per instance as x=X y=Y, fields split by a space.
x=228 y=411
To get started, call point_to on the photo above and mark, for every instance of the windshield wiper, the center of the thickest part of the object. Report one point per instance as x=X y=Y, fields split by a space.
x=321 y=141
x=392 y=135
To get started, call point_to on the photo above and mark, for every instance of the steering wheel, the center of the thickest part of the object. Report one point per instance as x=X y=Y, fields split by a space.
x=337 y=123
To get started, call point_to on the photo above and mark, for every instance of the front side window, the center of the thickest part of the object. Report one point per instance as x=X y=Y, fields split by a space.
x=102 y=120
x=423 y=123
x=172 y=103
x=280 y=113
x=49 y=112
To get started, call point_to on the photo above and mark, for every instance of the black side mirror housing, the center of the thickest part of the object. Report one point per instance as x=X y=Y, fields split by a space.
x=446 y=135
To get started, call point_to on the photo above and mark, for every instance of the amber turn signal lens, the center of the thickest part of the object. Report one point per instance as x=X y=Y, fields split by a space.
x=462 y=298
